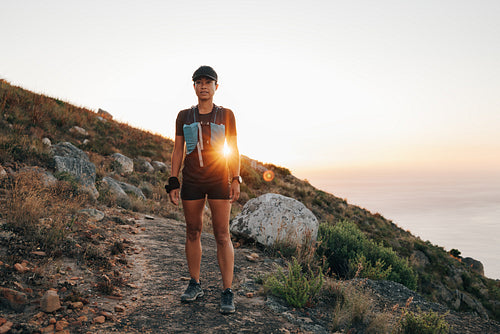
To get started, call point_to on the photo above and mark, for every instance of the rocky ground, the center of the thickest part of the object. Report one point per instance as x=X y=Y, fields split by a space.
x=140 y=292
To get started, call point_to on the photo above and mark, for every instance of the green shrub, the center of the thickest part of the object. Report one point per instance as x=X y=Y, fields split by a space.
x=423 y=323
x=346 y=249
x=295 y=287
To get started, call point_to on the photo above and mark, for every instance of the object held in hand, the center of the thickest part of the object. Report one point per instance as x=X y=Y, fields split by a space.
x=173 y=183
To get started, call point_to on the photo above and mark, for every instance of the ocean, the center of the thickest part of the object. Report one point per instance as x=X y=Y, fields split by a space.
x=451 y=210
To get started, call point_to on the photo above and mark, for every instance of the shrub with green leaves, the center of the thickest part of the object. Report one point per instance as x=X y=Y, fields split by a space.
x=423 y=323
x=296 y=287
x=347 y=251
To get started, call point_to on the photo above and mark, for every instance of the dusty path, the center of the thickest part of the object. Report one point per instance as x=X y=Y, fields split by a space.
x=159 y=270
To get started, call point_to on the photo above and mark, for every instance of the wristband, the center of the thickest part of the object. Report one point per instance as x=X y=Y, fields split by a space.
x=173 y=183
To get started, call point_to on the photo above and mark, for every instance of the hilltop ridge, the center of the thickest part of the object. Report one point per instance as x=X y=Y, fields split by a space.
x=27 y=119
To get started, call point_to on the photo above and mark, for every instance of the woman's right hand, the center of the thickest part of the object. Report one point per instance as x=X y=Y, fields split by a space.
x=174 y=196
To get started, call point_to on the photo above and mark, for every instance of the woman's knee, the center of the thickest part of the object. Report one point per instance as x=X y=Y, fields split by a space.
x=193 y=234
x=222 y=238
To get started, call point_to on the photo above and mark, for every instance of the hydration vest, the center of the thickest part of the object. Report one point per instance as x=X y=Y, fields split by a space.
x=193 y=135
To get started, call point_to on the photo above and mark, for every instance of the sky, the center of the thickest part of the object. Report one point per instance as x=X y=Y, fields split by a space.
x=316 y=86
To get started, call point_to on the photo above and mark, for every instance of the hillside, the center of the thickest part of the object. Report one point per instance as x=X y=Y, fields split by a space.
x=28 y=120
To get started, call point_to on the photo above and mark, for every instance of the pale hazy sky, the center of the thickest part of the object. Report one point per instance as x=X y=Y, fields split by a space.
x=313 y=84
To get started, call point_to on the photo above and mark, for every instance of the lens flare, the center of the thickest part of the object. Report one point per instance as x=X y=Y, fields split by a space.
x=268 y=175
x=226 y=149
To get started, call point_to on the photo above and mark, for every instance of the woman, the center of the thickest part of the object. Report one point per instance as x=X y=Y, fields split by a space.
x=207 y=174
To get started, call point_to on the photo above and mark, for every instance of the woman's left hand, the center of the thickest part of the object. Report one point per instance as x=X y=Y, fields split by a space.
x=234 y=193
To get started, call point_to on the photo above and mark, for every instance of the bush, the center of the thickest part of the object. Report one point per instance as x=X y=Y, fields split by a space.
x=295 y=287
x=347 y=251
x=423 y=323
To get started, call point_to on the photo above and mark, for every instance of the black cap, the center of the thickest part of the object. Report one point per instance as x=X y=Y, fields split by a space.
x=205 y=71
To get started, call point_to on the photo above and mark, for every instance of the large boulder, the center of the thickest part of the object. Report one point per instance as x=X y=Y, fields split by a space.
x=159 y=166
x=273 y=218
x=474 y=265
x=70 y=159
x=143 y=166
x=123 y=164
x=120 y=189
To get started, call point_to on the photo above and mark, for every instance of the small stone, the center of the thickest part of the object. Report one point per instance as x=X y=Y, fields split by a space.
x=61 y=324
x=46 y=141
x=236 y=245
x=6 y=326
x=249 y=294
x=119 y=308
x=39 y=253
x=99 y=319
x=184 y=278
x=251 y=258
x=48 y=329
x=20 y=268
x=254 y=255
x=52 y=321
x=149 y=217
x=77 y=305
x=15 y=300
x=50 y=301
x=83 y=318
x=108 y=315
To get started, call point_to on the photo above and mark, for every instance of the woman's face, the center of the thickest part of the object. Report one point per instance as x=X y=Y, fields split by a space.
x=205 y=88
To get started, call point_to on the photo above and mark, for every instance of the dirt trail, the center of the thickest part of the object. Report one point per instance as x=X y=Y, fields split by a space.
x=159 y=270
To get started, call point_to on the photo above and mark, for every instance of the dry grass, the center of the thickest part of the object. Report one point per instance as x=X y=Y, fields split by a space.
x=354 y=309
x=42 y=214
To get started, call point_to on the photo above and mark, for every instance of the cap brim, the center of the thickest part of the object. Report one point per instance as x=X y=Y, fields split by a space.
x=204 y=76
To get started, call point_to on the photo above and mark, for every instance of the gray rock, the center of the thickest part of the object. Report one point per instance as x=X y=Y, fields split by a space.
x=50 y=301
x=3 y=173
x=273 y=218
x=94 y=214
x=120 y=189
x=125 y=164
x=159 y=166
x=474 y=265
x=464 y=299
x=104 y=113
x=74 y=161
x=79 y=131
x=141 y=165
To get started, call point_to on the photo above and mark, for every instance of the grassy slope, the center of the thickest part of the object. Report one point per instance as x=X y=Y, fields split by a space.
x=26 y=118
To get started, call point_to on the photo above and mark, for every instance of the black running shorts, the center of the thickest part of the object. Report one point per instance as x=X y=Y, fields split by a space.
x=216 y=190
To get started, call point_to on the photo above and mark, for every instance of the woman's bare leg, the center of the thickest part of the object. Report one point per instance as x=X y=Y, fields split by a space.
x=193 y=213
x=225 y=252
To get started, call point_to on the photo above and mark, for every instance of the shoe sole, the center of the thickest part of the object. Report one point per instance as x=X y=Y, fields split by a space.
x=227 y=311
x=187 y=300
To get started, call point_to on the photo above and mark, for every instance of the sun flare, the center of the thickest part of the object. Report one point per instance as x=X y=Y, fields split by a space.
x=226 y=149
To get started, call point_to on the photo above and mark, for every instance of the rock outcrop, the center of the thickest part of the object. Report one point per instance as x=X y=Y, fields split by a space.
x=159 y=166
x=474 y=265
x=120 y=189
x=104 y=114
x=70 y=159
x=123 y=164
x=273 y=218
x=143 y=166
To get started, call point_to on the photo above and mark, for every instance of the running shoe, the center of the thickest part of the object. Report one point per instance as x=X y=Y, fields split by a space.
x=227 y=302
x=192 y=292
